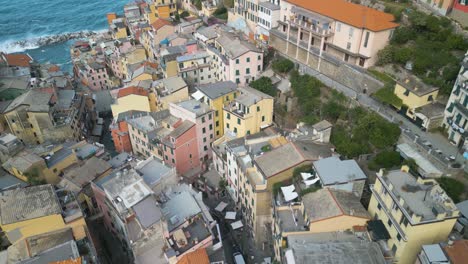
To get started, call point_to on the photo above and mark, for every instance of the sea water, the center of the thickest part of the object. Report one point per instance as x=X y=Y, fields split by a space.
x=23 y=23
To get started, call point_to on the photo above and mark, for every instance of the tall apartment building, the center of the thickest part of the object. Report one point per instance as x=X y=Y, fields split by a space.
x=233 y=58
x=414 y=211
x=216 y=95
x=259 y=15
x=195 y=68
x=456 y=113
x=163 y=8
x=248 y=113
x=337 y=29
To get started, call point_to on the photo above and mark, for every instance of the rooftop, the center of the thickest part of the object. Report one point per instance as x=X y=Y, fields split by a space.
x=322 y=125
x=288 y=154
x=28 y=203
x=8 y=181
x=458 y=252
x=130 y=115
x=434 y=253
x=415 y=85
x=172 y=84
x=132 y=90
x=159 y=23
x=234 y=46
x=269 y=5
x=82 y=174
x=65 y=251
x=35 y=100
x=148 y=211
x=193 y=56
x=250 y=96
x=333 y=248
x=332 y=170
x=218 y=89
x=353 y=14
x=327 y=203
x=23 y=161
x=179 y=208
x=432 y=110
x=152 y=171
x=199 y=256
x=126 y=188
x=291 y=221
x=426 y=199
x=20 y=60
x=195 y=107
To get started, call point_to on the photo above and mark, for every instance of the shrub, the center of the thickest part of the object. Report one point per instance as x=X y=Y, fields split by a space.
x=454 y=188
x=263 y=84
x=282 y=66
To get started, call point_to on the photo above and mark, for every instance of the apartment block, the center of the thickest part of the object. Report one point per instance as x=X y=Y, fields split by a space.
x=414 y=211
x=338 y=30
x=203 y=116
x=216 y=95
x=195 y=68
x=163 y=8
x=130 y=98
x=456 y=112
x=119 y=130
x=248 y=113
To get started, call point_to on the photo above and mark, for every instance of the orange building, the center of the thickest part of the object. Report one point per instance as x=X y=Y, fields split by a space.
x=110 y=17
x=119 y=130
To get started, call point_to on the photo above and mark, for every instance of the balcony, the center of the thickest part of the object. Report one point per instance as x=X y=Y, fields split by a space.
x=235 y=109
x=315 y=23
x=308 y=26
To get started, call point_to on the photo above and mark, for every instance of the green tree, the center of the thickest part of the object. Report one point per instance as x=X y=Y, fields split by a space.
x=387 y=96
x=222 y=184
x=198 y=4
x=454 y=188
x=282 y=66
x=184 y=14
x=264 y=84
x=387 y=159
x=332 y=110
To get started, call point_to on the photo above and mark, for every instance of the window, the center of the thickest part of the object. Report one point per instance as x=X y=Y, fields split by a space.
x=228 y=116
x=237 y=80
x=366 y=40
x=248 y=59
x=263 y=118
x=247 y=71
x=389 y=222
x=204 y=130
x=258 y=108
x=351 y=31
x=259 y=68
x=211 y=126
x=430 y=99
x=237 y=73
x=362 y=61
x=237 y=61
x=348 y=45
x=398 y=237
x=203 y=119
x=217 y=113
x=205 y=148
x=173 y=161
x=211 y=136
x=217 y=133
x=248 y=132
x=259 y=57
x=379 y=206
x=238 y=121
x=204 y=140
x=227 y=125
x=235 y=130
x=166 y=157
x=406 y=93
x=394 y=249
x=338 y=27
x=346 y=57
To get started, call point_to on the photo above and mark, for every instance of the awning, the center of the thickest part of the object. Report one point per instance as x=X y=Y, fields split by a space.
x=230 y=215
x=289 y=193
x=221 y=206
x=310 y=182
x=289 y=255
x=197 y=95
x=237 y=225
x=306 y=175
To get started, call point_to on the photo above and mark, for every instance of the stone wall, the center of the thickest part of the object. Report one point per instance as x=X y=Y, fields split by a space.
x=351 y=76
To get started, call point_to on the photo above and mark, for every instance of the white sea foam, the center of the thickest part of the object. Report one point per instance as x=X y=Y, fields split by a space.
x=11 y=46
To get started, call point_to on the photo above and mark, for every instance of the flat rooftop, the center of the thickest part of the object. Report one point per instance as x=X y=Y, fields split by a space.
x=28 y=203
x=291 y=221
x=153 y=171
x=179 y=208
x=423 y=199
x=216 y=90
x=195 y=107
x=287 y=154
x=332 y=248
x=332 y=170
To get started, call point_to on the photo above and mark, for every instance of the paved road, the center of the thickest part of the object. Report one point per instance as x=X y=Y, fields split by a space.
x=437 y=141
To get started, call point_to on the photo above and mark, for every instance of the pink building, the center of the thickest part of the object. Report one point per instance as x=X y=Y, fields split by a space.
x=235 y=59
x=201 y=115
x=92 y=74
x=180 y=149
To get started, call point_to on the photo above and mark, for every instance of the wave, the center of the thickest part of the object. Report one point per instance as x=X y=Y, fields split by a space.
x=13 y=46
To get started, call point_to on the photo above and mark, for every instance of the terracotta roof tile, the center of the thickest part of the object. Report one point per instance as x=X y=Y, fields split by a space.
x=160 y=23
x=353 y=14
x=458 y=252
x=21 y=60
x=199 y=256
x=132 y=90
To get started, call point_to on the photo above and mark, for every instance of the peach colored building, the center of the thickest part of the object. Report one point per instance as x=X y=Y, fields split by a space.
x=311 y=30
x=119 y=131
x=180 y=148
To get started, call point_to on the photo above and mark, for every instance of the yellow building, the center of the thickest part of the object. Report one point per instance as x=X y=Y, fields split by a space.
x=37 y=210
x=135 y=54
x=414 y=211
x=29 y=167
x=170 y=90
x=163 y=8
x=217 y=95
x=248 y=113
x=414 y=94
x=323 y=211
x=131 y=98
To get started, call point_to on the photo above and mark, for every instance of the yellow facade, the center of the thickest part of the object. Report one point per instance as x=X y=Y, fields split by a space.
x=136 y=55
x=152 y=16
x=130 y=102
x=258 y=115
x=120 y=33
x=412 y=99
x=422 y=233
x=164 y=8
x=172 y=69
x=35 y=226
x=218 y=106
x=175 y=97
x=29 y=134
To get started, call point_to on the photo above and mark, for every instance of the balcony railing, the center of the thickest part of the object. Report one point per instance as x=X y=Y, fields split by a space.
x=317 y=29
